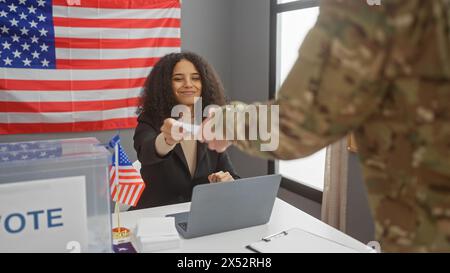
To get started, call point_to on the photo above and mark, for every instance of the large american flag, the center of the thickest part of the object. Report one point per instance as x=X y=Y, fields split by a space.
x=79 y=65
x=126 y=183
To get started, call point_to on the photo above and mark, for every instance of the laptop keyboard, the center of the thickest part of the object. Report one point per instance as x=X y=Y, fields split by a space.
x=183 y=225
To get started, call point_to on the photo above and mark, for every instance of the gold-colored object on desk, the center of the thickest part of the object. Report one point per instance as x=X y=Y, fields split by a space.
x=120 y=233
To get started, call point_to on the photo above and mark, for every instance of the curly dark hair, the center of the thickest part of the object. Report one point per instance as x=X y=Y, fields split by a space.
x=157 y=99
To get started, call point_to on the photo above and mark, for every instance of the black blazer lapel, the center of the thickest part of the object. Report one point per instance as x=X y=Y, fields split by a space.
x=202 y=148
x=179 y=152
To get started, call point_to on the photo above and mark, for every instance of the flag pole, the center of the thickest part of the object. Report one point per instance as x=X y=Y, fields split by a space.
x=118 y=233
x=118 y=215
x=116 y=163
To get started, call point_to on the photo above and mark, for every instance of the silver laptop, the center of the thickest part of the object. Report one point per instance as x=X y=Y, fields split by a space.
x=228 y=206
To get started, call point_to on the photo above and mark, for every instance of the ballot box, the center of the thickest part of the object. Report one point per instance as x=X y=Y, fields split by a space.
x=55 y=196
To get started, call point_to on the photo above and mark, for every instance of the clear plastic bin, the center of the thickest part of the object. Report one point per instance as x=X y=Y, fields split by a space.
x=31 y=161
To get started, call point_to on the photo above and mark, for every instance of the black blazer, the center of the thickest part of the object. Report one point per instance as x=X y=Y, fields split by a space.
x=167 y=179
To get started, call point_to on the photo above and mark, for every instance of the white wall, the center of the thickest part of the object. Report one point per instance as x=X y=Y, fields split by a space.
x=250 y=67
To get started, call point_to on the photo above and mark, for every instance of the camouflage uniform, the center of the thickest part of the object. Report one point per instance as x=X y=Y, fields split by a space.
x=382 y=72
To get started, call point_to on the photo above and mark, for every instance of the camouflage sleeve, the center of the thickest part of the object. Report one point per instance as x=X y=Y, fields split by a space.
x=335 y=84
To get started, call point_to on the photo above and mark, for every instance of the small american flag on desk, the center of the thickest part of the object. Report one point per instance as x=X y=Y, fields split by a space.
x=79 y=65
x=125 y=181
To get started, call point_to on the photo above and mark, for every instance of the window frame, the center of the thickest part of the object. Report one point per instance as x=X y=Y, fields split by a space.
x=274 y=65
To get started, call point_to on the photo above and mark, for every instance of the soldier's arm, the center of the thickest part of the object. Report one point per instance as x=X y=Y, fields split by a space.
x=335 y=84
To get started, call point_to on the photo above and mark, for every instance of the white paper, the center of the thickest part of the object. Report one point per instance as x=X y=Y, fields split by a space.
x=156 y=226
x=157 y=233
x=146 y=246
x=159 y=239
x=190 y=128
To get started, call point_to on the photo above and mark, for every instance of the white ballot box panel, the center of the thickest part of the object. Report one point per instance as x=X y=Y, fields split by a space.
x=55 y=196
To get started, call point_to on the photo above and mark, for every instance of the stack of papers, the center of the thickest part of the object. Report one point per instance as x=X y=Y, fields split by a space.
x=157 y=233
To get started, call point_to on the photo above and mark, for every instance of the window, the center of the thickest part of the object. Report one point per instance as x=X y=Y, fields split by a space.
x=293 y=21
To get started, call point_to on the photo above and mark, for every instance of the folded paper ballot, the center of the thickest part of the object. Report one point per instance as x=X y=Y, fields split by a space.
x=156 y=233
x=190 y=128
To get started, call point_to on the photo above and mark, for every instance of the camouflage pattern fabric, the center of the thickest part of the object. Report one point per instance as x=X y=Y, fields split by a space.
x=382 y=72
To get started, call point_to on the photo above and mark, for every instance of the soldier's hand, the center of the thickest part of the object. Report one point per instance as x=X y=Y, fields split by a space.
x=215 y=142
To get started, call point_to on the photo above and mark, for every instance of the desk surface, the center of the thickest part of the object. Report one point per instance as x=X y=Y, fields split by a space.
x=284 y=216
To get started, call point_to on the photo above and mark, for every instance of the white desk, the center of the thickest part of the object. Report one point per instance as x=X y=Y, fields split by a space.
x=284 y=216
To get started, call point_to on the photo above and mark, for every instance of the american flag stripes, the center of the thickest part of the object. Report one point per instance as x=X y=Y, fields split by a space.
x=70 y=67
x=126 y=183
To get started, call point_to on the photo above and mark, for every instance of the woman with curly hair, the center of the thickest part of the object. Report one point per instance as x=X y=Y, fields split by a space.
x=172 y=166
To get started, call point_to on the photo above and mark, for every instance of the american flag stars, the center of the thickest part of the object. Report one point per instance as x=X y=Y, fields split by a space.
x=26 y=35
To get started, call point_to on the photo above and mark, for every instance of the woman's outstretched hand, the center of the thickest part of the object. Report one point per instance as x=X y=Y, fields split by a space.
x=172 y=131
